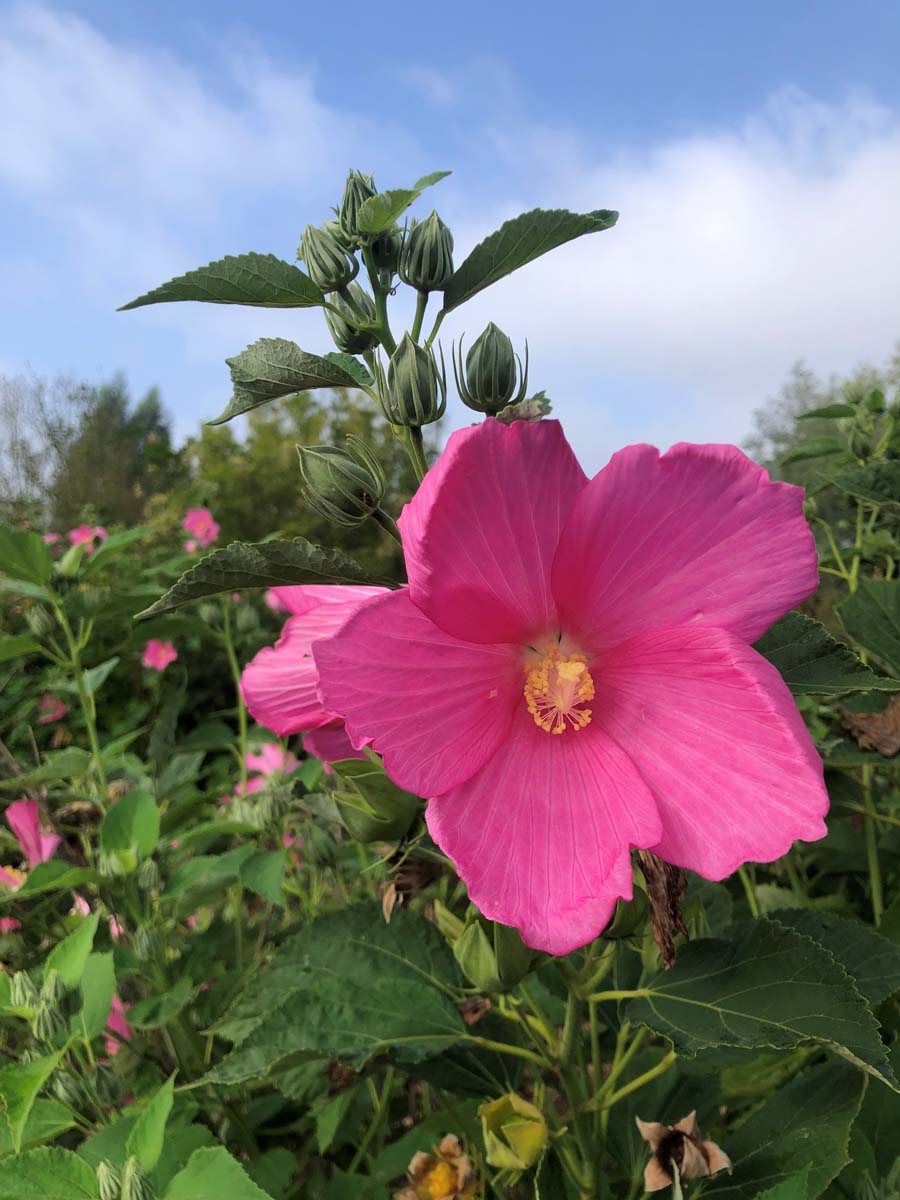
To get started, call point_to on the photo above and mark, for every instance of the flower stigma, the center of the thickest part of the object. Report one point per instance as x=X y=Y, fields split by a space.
x=558 y=688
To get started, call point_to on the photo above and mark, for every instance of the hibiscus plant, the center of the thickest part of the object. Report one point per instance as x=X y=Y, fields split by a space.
x=563 y=866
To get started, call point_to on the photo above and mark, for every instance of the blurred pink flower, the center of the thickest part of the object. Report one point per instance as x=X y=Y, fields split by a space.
x=117 y=1024
x=192 y=921
x=157 y=655
x=237 y=598
x=23 y=818
x=190 y=546
x=80 y=907
x=272 y=758
x=51 y=538
x=86 y=535
x=51 y=709
x=11 y=878
x=9 y=925
x=275 y=602
x=116 y=929
x=199 y=523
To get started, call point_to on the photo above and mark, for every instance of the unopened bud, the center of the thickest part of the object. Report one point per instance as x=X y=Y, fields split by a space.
x=68 y=1088
x=109 y=1182
x=148 y=874
x=106 y=1084
x=371 y=805
x=515 y=1132
x=348 y=328
x=357 y=190
x=493 y=957
x=384 y=252
x=416 y=391
x=53 y=990
x=39 y=621
x=344 y=486
x=47 y=1023
x=135 y=1184
x=328 y=263
x=493 y=376
x=22 y=992
x=144 y=943
x=426 y=260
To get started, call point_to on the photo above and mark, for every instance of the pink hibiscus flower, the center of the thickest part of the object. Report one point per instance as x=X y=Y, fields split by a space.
x=86 y=535
x=9 y=925
x=199 y=523
x=117 y=1024
x=157 y=655
x=51 y=538
x=23 y=818
x=569 y=673
x=274 y=601
x=280 y=684
x=272 y=758
x=50 y=709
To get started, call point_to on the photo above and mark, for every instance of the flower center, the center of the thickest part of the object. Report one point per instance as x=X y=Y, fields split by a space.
x=557 y=690
x=440 y=1181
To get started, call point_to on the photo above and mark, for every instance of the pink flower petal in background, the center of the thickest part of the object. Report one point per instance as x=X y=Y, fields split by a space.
x=117 y=1024
x=51 y=709
x=274 y=601
x=80 y=907
x=199 y=523
x=271 y=758
x=23 y=818
x=116 y=929
x=158 y=655
x=9 y=925
x=51 y=538
x=191 y=546
x=85 y=535
x=11 y=878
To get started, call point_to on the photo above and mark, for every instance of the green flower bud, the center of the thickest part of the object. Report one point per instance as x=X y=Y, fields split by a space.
x=493 y=957
x=69 y=1089
x=628 y=916
x=148 y=875
x=47 y=1023
x=371 y=806
x=328 y=263
x=106 y=1084
x=426 y=260
x=67 y=565
x=22 y=992
x=109 y=1181
x=346 y=329
x=416 y=391
x=515 y=1132
x=39 y=621
x=384 y=252
x=493 y=375
x=53 y=990
x=344 y=486
x=144 y=943
x=357 y=190
x=874 y=401
x=135 y=1184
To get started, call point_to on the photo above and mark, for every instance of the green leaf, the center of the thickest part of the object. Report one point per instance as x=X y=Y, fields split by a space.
x=70 y=956
x=64 y=764
x=382 y=211
x=769 y=987
x=98 y=983
x=17 y=646
x=154 y=1011
x=272 y=368
x=352 y=366
x=816 y=447
x=517 y=242
x=24 y=555
x=273 y=1171
x=117 y=541
x=871 y=616
x=828 y=412
x=878 y=482
x=260 y=280
x=263 y=873
x=132 y=823
x=47 y=1174
x=805 y=1127
x=47 y=1119
x=259 y=565
x=97 y=676
x=19 y=1085
x=54 y=876
x=145 y=1141
x=811 y=662
x=206 y=871
x=872 y=960
x=347 y=986
x=212 y=1174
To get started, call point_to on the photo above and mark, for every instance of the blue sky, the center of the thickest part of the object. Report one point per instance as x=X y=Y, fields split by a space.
x=754 y=152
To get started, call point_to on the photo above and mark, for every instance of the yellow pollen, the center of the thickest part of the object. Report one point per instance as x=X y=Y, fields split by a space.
x=557 y=690
x=440 y=1182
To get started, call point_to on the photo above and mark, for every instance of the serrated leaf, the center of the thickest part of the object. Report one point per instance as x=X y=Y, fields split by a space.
x=820 y=447
x=24 y=555
x=347 y=986
x=17 y=647
x=259 y=565
x=47 y=1119
x=827 y=412
x=63 y=764
x=878 y=482
x=381 y=211
x=131 y=823
x=212 y=1174
x=260 y=280
x=811 y=662
x=771 y=987
x=98 y=983
x=145 y=1141
x=206 y=871
x=805 y=1127
x=518 y=242
x=872 y=960
x=272 y=368
x=47 y=1174
x=70 y=956
x=263 y=873
x=154 y=1011
x=352 y=366
x=871 y=616
x=20 y=1083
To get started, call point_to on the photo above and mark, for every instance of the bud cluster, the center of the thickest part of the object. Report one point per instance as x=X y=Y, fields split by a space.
x=343 y=485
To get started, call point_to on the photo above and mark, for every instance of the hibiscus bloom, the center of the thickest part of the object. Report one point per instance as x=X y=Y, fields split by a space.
x=118 y=1025
x=199 y=523
x=50 y=709
x=279 y=684
x=271 y=758
x=85 y=535
x=157 y=655
x=569 y=674
x=23 y=818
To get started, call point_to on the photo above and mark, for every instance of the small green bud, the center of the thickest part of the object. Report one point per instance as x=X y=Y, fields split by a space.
x=371 y=805
x=135 y=1184
x=449 y=924
x=384 y=251
x=328 y=263
x=357 y=190
x=39 y=621
x=426 y=260
x=148 y=875
x=69 y=1089
x=493 y=957
x=874 y=401
x=53 y=990
x=109 y=1181
x=345 y=329
x=246 y=619
x=144 y=943
x=628 y=916
x=416 y=391
x=515 y=1132
x=344 y=486
x=67 y=565
x=47 y=1023
x=494 y=376
x=22 y=992
x=106 y=1084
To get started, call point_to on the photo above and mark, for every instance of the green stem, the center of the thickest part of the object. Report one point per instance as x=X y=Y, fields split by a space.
x=88 y=708
x=377 y=1121
x=382 y=323
x=509 y=1048
x=749 y=891
x=421 y=305
x=853 y=579
x=870 y=820
x=625 y=994
x=236 y=677
x=417 y=446
x=661 y=1067
x=387 y=523
x=434 y=329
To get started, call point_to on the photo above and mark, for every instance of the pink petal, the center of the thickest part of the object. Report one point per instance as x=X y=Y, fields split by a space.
x=717 y=737
x=480 y=533
x=271 y=758
x=9 y=925
x=10 y=880
x=436 y=708
x=330 y=743
x=542 y=834
x=23 y=818
x=697 y=536
x=305 y=597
